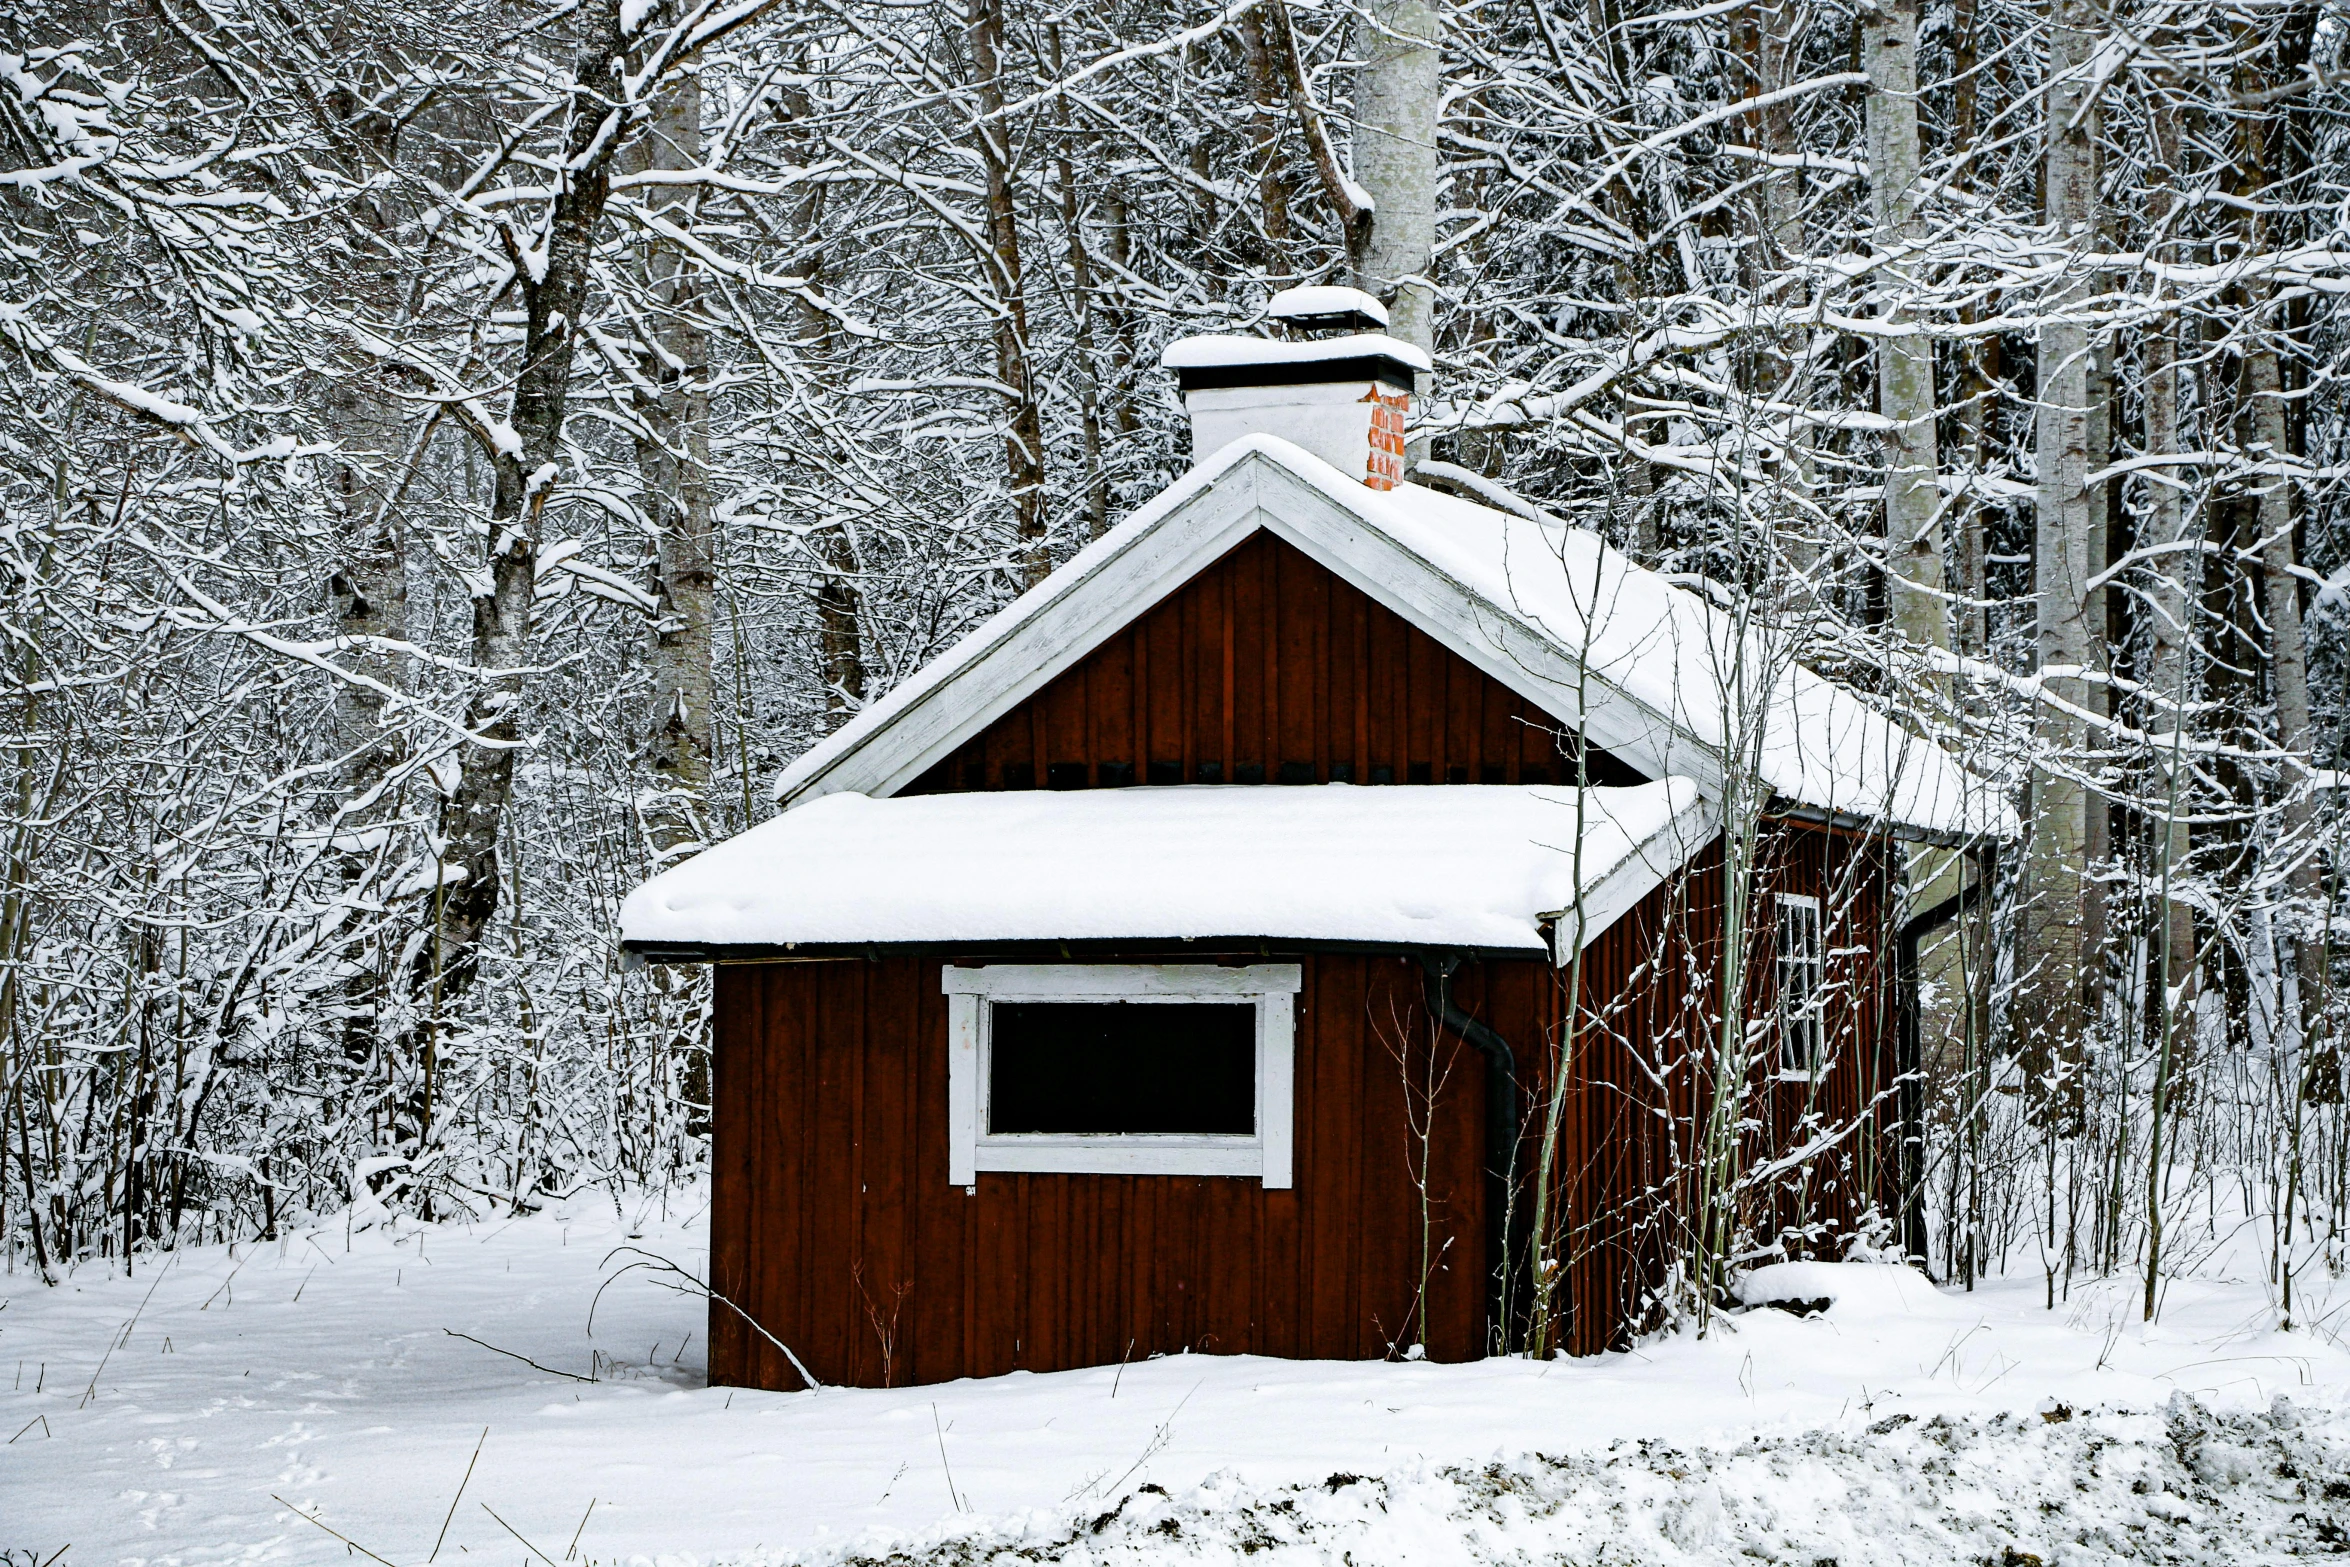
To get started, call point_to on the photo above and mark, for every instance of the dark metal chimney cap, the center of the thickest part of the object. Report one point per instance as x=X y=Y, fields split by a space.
x=1205 y=363
x=1323 y=308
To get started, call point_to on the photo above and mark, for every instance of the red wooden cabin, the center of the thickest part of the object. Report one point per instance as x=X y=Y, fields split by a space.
x=1185 y=960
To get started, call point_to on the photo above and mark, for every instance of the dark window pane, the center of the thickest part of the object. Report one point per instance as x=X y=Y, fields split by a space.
x=1211 y=772
x=1382 y=775
x=1456 y=775
x=1115 y=775
x=1249 y=773
x=1297 y=772
x=1123 y=1067
x=1064 y=775
x=1166 y=772
x=1342 y=772
x=1534 y=773
x=1490 y=774
x=1416 y=772
x=1019 y=775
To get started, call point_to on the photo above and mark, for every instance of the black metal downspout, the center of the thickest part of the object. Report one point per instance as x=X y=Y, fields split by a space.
x=1503 y=1257
x=1911 y=1046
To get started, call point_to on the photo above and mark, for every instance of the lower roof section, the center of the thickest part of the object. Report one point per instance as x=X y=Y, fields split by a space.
x=1478 y=867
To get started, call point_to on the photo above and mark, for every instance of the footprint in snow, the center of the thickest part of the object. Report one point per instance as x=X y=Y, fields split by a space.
x=149 y=1507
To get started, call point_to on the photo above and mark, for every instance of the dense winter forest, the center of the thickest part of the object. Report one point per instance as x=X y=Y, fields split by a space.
x=455 y=454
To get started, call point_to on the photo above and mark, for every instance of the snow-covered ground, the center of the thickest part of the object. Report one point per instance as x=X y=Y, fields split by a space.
x=189 y=1414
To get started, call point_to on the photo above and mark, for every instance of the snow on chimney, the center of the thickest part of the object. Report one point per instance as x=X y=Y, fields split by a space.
x=1344 y=398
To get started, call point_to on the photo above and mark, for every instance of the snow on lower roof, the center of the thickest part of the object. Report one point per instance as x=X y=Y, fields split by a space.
x=1414 y=866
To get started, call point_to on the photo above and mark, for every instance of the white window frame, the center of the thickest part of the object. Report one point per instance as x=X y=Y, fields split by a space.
x=1814 y=1014
x=1263 y=1154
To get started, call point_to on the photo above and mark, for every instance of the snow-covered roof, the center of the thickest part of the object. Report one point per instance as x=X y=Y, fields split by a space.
x=1652 y=672
x=1473 y=866
x=1324 y=299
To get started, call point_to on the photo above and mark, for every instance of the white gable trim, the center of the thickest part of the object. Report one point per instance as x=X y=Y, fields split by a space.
x=1110 y=585
x=1004 y=662
x=1640 y=873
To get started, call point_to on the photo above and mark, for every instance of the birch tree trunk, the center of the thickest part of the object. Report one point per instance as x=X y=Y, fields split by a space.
x=1978 y=358
x=672 y=405
x=367 y=592
x=1086 y=352
x=1024 y=430
x=2097 y=617
x=2288 y=672
x=839 y=634
x=2170 y=673
x=2280 y=599
x=2051 y=1011
x=1905 y=364
x=838 y=599
x=1397 y=94
x=368 y=599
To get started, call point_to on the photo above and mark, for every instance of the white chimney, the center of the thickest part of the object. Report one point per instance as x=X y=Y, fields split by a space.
x=1346 y=399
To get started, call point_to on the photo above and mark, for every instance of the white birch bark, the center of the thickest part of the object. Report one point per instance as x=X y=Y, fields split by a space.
x=2170 y=671
x=2288 y=646
x=672 y=403
x=2050 y=1010
x=1905 y=364
x=1397 y=95
x=2288 y=674
x=1774 y=37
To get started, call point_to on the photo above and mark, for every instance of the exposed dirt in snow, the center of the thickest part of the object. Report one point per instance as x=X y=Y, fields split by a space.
x=2185 y=1485
x=224 y=1407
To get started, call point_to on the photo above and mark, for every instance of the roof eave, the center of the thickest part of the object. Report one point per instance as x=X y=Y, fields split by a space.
x=1619 y=890
x=1784 y=809
x=669 y=952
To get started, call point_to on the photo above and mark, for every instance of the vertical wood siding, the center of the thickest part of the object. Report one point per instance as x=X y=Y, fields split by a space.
x=834 y=1228
x=1262 y=662
x=1639 y=1072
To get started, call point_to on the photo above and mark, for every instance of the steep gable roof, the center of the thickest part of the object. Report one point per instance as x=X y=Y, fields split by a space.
x=1648 y=670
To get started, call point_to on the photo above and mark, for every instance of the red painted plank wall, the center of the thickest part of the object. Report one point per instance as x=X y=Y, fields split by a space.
x=834 y=1225
x=1652 y=1004
x=834 y=1228
x=1264 y=660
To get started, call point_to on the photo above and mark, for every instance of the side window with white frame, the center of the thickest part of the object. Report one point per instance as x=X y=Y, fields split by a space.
x=1801 y=956
x=1120 y=1069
